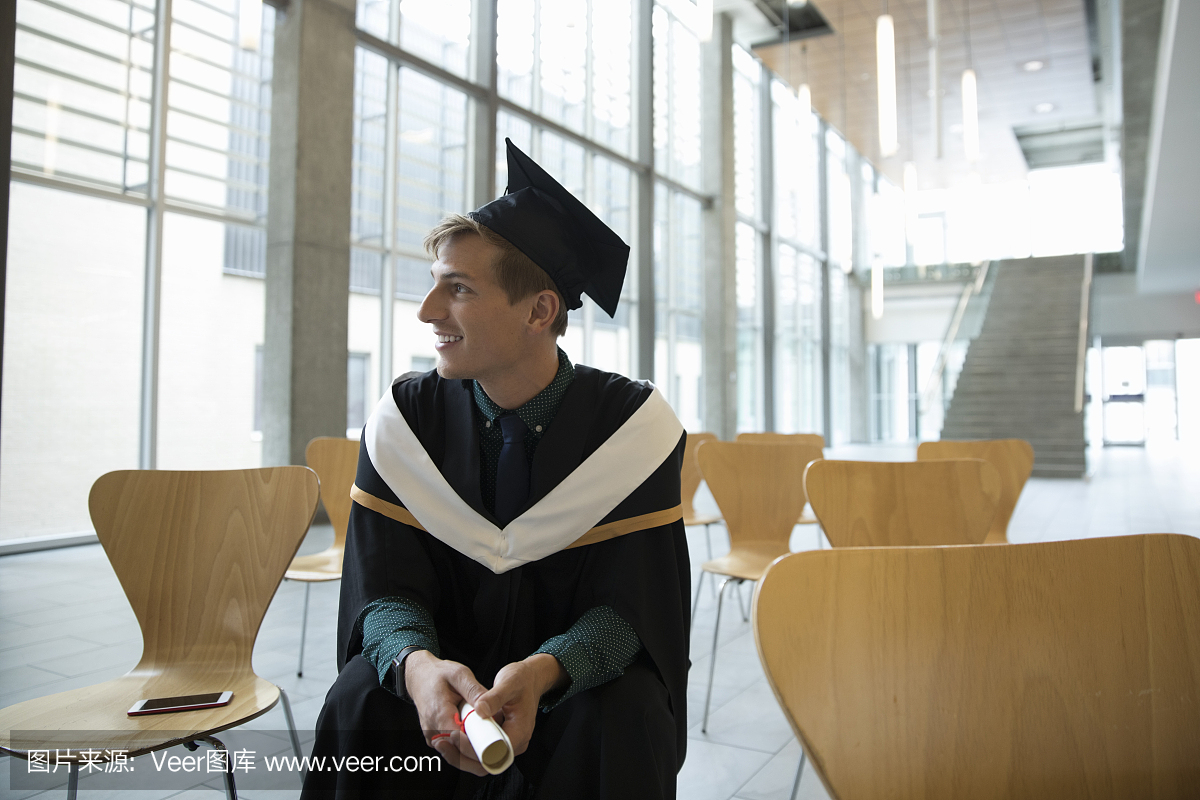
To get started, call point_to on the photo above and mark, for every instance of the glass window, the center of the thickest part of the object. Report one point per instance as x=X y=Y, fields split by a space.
x=795 y=173
x=81 y=92
x=797 y=342
x=72 y=355
x=219 y=109
x=841 y=218
x=569 y=61
x=679 y=292
x=749 y=330
x=438 y=31
x=747 y=115
x=676 y=98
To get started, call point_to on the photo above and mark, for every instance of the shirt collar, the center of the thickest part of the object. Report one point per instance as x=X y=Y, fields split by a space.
x=540 y=410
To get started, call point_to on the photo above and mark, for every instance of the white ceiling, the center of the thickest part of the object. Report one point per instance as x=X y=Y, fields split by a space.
x=1004 y=35
x=1170 y=242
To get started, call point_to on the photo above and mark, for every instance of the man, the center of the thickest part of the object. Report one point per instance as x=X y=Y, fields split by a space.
x=516 y=526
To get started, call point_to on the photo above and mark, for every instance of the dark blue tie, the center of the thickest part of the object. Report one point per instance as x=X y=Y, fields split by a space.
x=512 y=476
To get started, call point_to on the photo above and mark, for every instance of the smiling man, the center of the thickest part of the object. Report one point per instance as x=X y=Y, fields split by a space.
x=516 y=539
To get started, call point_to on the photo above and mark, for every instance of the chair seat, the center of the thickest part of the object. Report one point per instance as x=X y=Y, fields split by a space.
x=748 y=561
x=94 y=716
x=323 y=566
x=700 y=519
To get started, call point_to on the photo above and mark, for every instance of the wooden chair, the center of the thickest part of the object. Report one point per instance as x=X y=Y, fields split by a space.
x=759 y=490
x=1044 y=671
x=335 y=460
x=689 y=482
x=1012 y=458
x=199 y=555
x=887 y=503
x=813 y=439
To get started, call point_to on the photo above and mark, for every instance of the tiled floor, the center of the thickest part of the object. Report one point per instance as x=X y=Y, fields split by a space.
x=64 y=623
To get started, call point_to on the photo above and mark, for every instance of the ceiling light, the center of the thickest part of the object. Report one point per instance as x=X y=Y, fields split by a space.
x=704 y=20
x=970 y=105
x=877 y=289
x=1033 y=66
x=1043 y=108
x=250 y=25
x=885 y=54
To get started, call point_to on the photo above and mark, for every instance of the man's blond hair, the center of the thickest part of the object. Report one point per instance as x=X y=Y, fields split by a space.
x=515 y=272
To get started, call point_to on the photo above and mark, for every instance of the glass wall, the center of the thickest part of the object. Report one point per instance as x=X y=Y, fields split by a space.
x=77 y=340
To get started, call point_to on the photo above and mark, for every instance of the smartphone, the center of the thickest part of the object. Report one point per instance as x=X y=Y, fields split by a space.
x=164 y=705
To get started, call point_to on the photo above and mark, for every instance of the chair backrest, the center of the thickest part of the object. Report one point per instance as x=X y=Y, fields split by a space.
x=758 y=487
x=1052 y=670
x=889 y=503
x=200 y=555
x=813 y=439
x=689 y=475
x=1012 y=458
x=335 y=460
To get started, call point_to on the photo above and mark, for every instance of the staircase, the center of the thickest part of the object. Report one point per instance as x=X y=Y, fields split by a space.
x=1018 y=380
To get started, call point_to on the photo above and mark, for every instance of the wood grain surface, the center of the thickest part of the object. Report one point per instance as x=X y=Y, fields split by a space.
x=1012 y=458
x=199 y=555
x=760 y=492
x=335 y=460
x=886 y=503
x=1047 y=671
x=689 y=480
x=812 y=439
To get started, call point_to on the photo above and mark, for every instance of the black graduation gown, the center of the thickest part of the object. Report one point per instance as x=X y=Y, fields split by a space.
x=487 y=620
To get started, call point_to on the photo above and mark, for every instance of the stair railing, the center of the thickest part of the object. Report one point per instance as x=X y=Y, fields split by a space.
x=972 y=289
x=1081 y=357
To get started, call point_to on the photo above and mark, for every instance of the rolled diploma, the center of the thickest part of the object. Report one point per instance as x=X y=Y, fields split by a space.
x=491 y=743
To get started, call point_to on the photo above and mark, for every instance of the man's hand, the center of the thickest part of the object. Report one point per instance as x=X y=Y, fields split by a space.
x=513 y=700
x=438 y=688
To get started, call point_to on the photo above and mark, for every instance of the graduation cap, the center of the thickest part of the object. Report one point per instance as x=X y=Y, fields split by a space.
x=560 y=234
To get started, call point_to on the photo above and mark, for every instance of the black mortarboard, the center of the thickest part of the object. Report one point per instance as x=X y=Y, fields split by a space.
x=560 y=234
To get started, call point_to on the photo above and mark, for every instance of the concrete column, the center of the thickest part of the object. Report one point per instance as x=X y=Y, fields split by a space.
x=823 y=227
x=766 y=205
x=308 y=228
x=642 y=254
x=720 y=227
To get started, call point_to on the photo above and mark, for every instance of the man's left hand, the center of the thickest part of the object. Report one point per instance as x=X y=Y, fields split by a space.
x=513 y=699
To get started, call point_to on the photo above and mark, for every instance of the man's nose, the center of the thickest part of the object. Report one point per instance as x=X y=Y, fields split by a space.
x=431 y=309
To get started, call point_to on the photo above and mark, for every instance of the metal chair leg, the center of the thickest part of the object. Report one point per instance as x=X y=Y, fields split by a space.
x=799 y=772
x=741 y=603
x=712 y=660
x=696 y=602
x=708 y=538
x=217 y=744
x=303 y=630
x=73 y=780
x=287 y=712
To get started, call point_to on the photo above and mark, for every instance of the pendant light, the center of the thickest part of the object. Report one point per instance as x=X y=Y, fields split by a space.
x=970 y=96
x=885 y=60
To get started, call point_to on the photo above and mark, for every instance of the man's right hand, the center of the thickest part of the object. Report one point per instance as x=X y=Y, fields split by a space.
x=437 y=688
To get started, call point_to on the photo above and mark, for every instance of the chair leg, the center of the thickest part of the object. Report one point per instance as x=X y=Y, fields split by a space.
x=696 y=602
x=73 y=781
x=799 y=772
x=708 y=538
x=217 y=744
x=303 y=630
x=712 y=659
x=741 y=604
x=287 y=712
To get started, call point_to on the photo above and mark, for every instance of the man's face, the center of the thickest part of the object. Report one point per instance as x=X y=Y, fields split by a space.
x=479 y=333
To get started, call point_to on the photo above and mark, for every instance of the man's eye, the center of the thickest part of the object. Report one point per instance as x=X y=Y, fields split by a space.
x=460 y=289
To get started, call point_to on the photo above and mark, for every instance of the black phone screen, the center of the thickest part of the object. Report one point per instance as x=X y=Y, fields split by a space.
x=174 y=702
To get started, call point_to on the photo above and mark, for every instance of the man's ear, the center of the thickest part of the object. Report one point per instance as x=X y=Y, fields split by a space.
x=543 y=311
